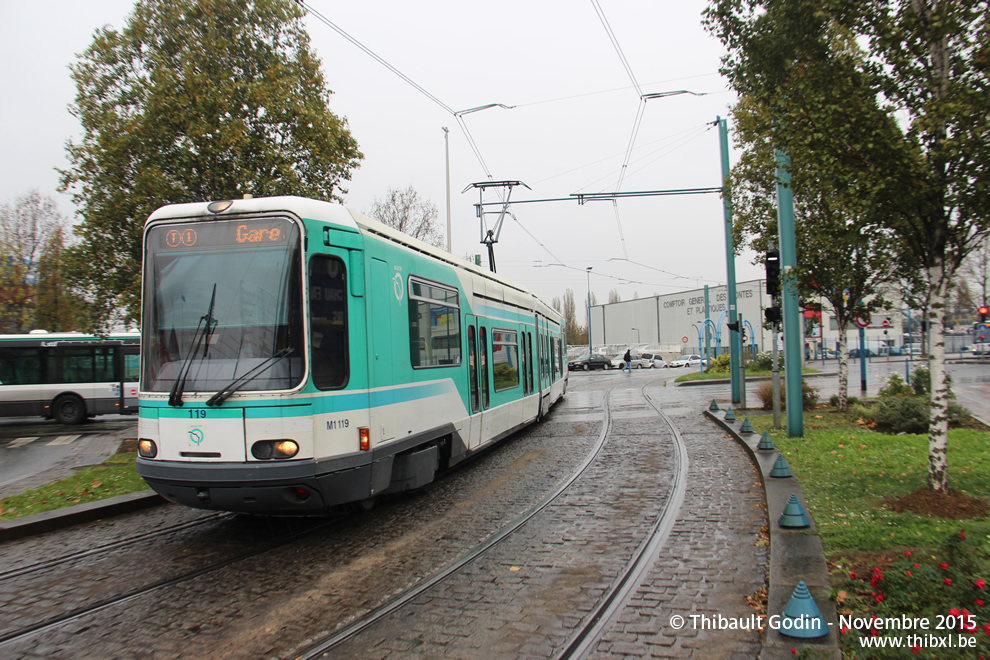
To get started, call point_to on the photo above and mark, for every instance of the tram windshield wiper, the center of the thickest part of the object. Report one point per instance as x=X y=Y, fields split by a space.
x=222 y=395
x=207 y=324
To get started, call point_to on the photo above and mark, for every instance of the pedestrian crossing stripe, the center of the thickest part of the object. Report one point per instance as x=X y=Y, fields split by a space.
x=60 y=440
x=63 y=440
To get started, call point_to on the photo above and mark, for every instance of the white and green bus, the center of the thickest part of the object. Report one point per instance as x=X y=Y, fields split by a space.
x=68 y=376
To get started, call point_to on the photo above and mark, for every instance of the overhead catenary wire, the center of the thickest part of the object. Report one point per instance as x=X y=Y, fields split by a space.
x=422 y=90
x=458 y=115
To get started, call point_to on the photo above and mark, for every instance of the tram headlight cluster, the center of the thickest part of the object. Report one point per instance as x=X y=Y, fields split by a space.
x=274 y=449
x=147 y=448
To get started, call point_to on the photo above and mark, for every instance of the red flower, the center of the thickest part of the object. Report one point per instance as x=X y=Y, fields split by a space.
x=908 y=573
x=962 y=534
x=794 y=650
x=852 y=576
x=917 y=565
x=915 y=649
x=844 y=629
x=986 y=629
x=978 y=603
x=907 y=554
x=947 y=581
x=878 y=598
x=943 y=566
x=955 y=612
x=980 y=584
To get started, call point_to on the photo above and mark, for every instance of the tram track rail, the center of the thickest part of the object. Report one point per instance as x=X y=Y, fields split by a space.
x=14 y=636
x=595 y=623
x=105 y=548
x=583 y=642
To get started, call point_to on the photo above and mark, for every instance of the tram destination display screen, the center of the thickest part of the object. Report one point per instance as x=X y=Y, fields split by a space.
x=249 y=233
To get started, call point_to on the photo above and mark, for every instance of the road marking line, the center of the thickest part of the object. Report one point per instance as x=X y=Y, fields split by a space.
x=20 y=442
x=62 y=440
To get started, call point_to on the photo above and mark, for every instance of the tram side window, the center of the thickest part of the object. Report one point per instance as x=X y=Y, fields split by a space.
x=523 y=361
x=328 y=318
x=20 y=366
x=473 y=369
x=505 y=359
x=434 y=325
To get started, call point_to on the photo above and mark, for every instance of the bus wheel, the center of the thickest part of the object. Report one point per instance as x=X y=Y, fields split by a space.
x=69 y=409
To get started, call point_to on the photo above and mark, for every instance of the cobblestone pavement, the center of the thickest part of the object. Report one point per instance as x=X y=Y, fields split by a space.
x=713 y=559
x=526 y=597
x=521 y=600
x=270 y=605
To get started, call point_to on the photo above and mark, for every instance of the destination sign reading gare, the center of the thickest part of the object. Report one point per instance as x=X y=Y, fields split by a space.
x=248 y=233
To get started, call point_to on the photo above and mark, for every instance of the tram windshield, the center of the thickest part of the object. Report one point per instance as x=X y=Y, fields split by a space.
x=222 y=303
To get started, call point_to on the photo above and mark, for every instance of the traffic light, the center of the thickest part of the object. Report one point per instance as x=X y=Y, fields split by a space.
x=733 y=326
x=772 y=314
x=773 y=272
x=983 y=313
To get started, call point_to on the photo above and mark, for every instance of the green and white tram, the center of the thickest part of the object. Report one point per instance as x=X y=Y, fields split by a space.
x=68 y=376
x=297 y=355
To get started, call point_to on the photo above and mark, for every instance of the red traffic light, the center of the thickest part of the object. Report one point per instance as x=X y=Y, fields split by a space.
x=984 y=310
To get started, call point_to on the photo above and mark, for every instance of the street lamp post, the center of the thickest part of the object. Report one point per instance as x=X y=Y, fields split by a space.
x=589 y=311
x=446 y=147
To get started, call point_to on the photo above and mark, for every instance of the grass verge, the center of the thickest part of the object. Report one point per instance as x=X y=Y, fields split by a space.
x=892 y=565
x=116 y=476
x=848 y=473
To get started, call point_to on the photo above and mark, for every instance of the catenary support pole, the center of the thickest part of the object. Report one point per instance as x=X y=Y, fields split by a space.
x=730 y=258
x=793 y=326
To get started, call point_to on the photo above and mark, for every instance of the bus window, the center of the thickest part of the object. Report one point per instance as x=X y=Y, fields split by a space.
x=132 y=365
x=20 y=366
x=83 y=364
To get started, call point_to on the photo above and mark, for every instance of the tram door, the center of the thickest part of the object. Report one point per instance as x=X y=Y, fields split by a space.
x=479 y=395
x=383 y=311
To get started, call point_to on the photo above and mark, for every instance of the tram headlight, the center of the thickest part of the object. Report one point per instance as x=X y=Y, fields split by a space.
x=147 y=448
x=274 y=449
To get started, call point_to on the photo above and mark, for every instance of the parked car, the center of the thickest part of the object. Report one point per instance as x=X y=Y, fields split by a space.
x=588 y=363
x=617 y=361
x=650 y=361
x=854 y=353
x=688 y=361
x=982 y=348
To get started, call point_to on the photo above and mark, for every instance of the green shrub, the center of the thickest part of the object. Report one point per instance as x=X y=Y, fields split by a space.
x=901 y=414
x=921 y=381
x=895 y=387
x=850 y=401
x=809 y=395
x=860 y=411
x=718 y=365
x=764 y=362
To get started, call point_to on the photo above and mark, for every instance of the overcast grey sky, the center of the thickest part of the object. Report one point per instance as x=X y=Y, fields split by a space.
x=575 y=107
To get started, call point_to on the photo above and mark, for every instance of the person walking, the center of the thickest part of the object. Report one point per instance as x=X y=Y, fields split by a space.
x=627 y=359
